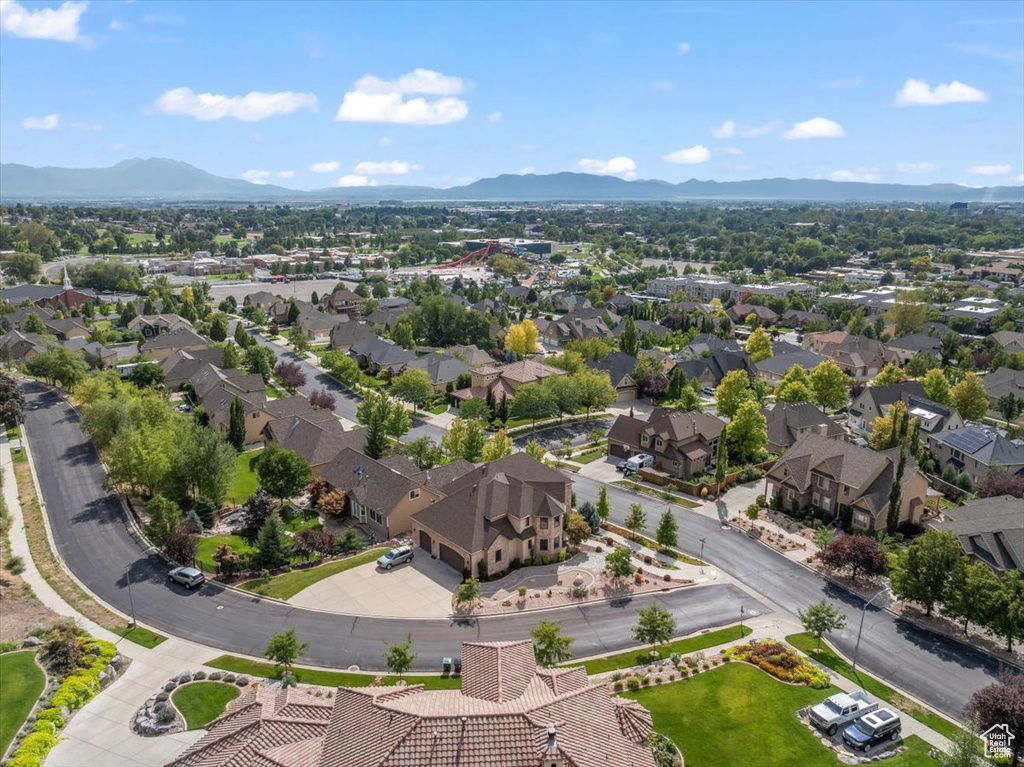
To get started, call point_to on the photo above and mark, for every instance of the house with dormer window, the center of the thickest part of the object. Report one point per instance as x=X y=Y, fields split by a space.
x=683 y=444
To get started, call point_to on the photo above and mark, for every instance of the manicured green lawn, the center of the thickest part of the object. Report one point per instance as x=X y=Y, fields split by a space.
x=144 y=637
x=662 y=494
x=22 y=682
x=682 y=646
x=208 y=545
x=590 y=456
x=368 y=380
x=827 y=657
x=303 y=521
x=438 y=409
x=328 y=678
x=14 y=432
x=272 y=391
x=246 y=481
x=738 y=715
x=202 y=702
x=287 y=585
x=18 y=455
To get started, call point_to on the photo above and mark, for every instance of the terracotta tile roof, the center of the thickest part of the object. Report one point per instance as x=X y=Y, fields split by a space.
x=509 y=714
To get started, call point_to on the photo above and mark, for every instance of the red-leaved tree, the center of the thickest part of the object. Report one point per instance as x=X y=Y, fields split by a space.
x=1001 y=703
x=1001 y=483
x=855 y=554
x=322 y=399
x=291 y=374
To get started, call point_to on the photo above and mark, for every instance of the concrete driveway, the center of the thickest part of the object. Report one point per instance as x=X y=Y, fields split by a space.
x=603 y=469
x=422 y=588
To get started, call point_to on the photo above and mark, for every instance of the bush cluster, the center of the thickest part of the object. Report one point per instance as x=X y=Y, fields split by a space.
x=780 y=661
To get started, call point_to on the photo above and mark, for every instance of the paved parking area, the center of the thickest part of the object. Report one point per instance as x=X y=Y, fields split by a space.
x=422 y=588
x=603 y=469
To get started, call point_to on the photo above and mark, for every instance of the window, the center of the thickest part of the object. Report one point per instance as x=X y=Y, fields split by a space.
x=526 y=522
x=543 y=523
x=823 y=482
x=644 y=439
x=543 y=544
x=659 y=443
x=414 y=494
x=497 y=555
x=557 y=543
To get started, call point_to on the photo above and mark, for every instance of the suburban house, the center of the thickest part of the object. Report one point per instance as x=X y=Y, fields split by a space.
x=574 y=326
x=841 y=478
x=709 y=371
x=789 y=422
x=1001 y=382
x=643 y=327
x=472 y=355
x=151 y=325
x=511 y=509
x=96 y=354
x=443 y=369
x=683 y=444
x=23 y=346
x=619 y=367
x=990 y=530
x=344 y=334
x=384 y=494
x=261 y=299
x=786 y=356
x=875 y=401
x=386 y=318
x=66 y=329
x=1009 y=341
x=377 y=354
x=164 y=345
x=859 y=357
x=564 y=301
x=705 y=345
x=740 y=312
x=344 y=301
x=316 y=326
x=180 y=367
x=507 y=713
x=902 y=350
x=977 y=450
x=317 y=436
x=16 y=320
x=798 y=319
x=504 y=380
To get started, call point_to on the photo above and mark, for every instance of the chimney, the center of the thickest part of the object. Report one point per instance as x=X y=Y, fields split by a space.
x=552 y=753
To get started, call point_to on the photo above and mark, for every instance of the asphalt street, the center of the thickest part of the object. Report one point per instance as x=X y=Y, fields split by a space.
x=942 y=672
x=93 y=538
x=347 y=401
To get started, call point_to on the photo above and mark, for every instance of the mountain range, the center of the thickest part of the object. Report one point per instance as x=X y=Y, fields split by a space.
x=158 y=179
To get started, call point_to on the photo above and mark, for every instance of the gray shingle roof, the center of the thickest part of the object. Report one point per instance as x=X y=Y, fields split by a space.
x=990 y=529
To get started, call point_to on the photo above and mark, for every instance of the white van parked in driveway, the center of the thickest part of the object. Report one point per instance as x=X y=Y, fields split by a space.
x=637 y=462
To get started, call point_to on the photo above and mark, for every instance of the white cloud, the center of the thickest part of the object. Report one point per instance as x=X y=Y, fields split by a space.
x=385 y=141
x=494 y=117
x=990 y=170
x=328 y=166
x=251 y=107
x=617 y=166
x=683 y=48
x=915 y=167
x=386 y=168
x=60 y=24
x=95 y=127
x=693 y=155
x=869 y=175
x=47 y=122
x=527 y=171
x=257 y=176
x=286 y=174
x=731 y=128
x=354 y=180
x=375 y=100
x=816 y=127
x=919 y=93
x=730 y=150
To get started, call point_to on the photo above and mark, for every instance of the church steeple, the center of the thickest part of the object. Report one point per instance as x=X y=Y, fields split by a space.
x=67 y=279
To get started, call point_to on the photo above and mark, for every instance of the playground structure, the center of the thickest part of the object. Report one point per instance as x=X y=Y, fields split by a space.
x=492 y=247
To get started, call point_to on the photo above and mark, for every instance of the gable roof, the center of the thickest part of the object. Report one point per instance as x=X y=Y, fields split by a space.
x=990 y=529
x=619 y=366
x=317 y=436
x=349 y=333
x=175 y=339
x=1004 y=381
x=785 y=419
x=442 y=368
x=986 y=446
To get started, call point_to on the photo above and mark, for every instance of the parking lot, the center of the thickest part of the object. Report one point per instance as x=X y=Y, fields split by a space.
x=422 y=588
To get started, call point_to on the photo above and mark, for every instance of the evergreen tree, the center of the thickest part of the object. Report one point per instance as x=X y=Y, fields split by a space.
x=242 y=338
x=667 y=534
x=629 y=340
x=236 y=424
x=273 y=548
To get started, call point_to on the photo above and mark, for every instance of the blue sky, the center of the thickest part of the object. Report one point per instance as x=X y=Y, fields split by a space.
x=309 y=95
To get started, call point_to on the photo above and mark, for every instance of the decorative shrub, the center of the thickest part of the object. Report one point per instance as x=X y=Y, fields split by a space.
x=162 y=696
x=229 y=678
x=633 y=683
x=165 y=715
x=617 y=687
x=648 y=559
x=667 y=578
x=780 y=661
x=216 y=675
x=242 y=681
x=522 y=591
x=169 y=687
x=616 y=676
x=33 y=749
x=51 y=715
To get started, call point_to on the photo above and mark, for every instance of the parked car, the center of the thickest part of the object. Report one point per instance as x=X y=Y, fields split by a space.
x=881 y=725
x=395 y=557
x=709 y=391
x=621 y=465
x=637 y=462
x=189 y=577
x=839 y=710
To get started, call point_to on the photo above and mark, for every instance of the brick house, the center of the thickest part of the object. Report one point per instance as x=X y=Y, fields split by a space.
x=683 y=444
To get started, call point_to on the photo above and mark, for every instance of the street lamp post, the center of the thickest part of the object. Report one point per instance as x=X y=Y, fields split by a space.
x=741 y=620
x=864 y=609
x=128 y=577
x=702 y=542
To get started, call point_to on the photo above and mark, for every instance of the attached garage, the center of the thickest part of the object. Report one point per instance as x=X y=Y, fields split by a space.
x=625 y=394
x=451 y=557
x=425 y=541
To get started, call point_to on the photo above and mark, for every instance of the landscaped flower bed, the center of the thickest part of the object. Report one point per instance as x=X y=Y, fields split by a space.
x=781 y=662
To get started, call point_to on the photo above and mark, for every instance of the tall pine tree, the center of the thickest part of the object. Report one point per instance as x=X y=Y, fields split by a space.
x=236 y=425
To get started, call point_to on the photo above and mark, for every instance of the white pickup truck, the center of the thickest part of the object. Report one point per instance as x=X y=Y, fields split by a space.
x=839 y=710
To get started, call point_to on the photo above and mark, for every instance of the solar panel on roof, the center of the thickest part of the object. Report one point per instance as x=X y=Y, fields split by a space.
x=970 y=441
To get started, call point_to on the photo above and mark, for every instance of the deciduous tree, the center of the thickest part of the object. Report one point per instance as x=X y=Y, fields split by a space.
x=759 y=345
x=636 y=520
x=855 y=554
x=399 y=657
x=282 y=472
x=821 y=618
x=667 y=533
x=655 y=625
x=550 y=646
x=795 y=386
x=970 y=398
x=413 y=386
x=924 y=570
x=733 y=390
x=284 y=649
x=747 y=433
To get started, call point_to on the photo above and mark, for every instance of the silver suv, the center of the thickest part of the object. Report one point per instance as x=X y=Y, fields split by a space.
x=189 y=577
x=395 y=557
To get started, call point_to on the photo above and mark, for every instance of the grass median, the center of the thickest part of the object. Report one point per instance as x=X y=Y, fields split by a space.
x=829 y=658
x=58 y=579
x=237 y=665
x=682 y=647
x=22 y=682
x=288 y=585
